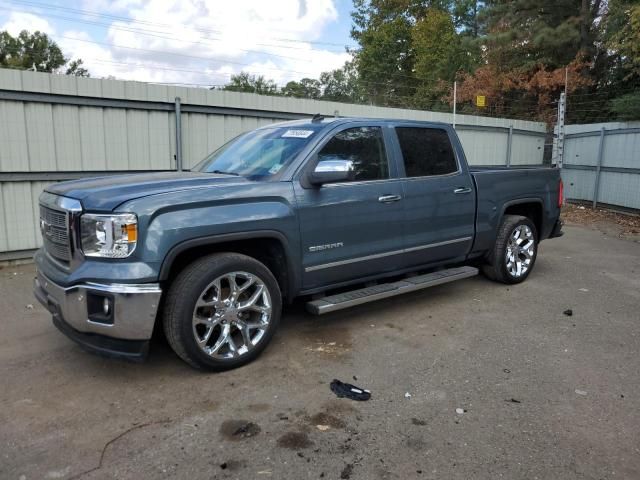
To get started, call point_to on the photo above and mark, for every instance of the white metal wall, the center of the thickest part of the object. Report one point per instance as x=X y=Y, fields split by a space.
x=56 y=127
x=618 y=182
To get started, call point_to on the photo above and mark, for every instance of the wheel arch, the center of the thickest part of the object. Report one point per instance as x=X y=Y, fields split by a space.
x=269 y=247
x=532 y=208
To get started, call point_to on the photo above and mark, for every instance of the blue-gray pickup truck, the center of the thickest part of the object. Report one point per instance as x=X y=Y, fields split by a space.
x=340 y=211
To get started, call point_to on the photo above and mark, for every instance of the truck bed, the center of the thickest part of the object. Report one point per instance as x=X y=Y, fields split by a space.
x=497 y=188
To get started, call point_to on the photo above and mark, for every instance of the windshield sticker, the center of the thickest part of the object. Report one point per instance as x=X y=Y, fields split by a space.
x=275 y=169
x=297 y=134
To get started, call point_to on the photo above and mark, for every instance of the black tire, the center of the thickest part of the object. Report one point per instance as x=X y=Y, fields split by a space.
x=496 y=267
x=187 y=289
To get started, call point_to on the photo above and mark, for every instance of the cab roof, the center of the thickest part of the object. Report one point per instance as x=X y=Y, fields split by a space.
x=327 y=121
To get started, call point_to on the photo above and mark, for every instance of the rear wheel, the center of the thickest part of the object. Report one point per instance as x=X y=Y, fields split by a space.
x=221 y=311
x=515 y=251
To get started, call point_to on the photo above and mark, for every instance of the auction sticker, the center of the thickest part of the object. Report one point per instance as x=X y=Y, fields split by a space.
x=297 y=134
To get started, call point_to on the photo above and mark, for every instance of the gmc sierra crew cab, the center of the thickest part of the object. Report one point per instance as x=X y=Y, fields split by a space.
x=337 y=210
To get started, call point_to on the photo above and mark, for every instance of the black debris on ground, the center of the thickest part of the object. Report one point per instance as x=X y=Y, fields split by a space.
x=346 y=390
x=568 y=312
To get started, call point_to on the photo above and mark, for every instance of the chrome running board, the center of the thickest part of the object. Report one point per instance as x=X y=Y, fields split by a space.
x=385 y=290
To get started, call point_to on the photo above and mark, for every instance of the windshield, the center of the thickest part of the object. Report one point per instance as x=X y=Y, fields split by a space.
x=258 y=154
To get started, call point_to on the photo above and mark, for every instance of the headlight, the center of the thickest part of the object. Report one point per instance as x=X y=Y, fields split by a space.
x=113 y=236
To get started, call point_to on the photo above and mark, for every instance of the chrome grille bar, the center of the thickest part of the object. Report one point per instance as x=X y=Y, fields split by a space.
x=59 y=217
x=54 y=226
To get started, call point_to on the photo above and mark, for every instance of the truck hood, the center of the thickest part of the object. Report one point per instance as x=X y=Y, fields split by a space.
x=104 y=194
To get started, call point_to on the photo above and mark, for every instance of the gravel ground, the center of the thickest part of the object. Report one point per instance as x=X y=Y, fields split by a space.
x=542 y=395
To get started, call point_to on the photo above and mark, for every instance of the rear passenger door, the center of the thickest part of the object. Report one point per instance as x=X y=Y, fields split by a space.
x=351 y=229
x=439 y=196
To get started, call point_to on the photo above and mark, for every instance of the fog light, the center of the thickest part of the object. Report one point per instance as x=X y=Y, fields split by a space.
x=100 y=307
x=106 y=307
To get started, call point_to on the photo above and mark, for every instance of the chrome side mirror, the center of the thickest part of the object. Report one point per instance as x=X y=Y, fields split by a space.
x=332 y=171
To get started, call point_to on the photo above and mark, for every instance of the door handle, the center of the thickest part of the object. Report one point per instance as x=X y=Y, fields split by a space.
x=389 y=198
x=461 y=190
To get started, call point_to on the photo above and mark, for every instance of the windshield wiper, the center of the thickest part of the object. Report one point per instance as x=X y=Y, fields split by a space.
x=225 y=173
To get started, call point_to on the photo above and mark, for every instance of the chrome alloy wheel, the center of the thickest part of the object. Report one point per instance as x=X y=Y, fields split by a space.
x=232 y=315
x=520 y=251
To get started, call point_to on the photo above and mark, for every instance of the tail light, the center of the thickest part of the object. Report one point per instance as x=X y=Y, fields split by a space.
x=560 y=194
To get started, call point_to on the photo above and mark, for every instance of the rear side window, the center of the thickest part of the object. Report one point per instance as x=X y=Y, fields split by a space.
x=364 y=147
x=426 y=151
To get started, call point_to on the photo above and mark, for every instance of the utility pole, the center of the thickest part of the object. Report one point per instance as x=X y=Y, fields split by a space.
x=455 y=100
x=560 y=129
x=178 y=135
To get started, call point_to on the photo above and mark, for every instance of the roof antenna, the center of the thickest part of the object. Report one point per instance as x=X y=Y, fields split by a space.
x=318 y=117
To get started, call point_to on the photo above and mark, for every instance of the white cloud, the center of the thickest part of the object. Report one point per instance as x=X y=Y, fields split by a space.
x=111 y=6
x=205 y=41
x=19 y=21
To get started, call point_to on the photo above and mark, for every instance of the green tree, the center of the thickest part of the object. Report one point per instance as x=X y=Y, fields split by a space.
x=435 y=46
x=245 y=82
x=622 y=39
x=467 y=17
x=35 y=51
x=385 y=59
x=626 y=107
x=305 y=88
x=410 y=49
x=341 y=85
x=525 y=33
x=75 y=68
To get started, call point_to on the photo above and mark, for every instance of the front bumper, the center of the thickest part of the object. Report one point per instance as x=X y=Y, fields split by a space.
x=124 y=334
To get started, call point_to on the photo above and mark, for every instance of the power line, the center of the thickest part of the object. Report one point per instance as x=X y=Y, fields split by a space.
x=395 y=74
x=158 y=67
x=223 y=61
x=176 y=54
x=158 y=34
x=144 y=22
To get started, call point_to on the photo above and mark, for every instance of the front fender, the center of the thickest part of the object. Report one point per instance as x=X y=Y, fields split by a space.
x=168 y=229
x=291 y=256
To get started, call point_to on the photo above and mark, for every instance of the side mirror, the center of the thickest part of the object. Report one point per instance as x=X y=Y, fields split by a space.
x=332 y=171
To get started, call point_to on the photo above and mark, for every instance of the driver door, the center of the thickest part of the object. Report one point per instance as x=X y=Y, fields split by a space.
x=352 y=229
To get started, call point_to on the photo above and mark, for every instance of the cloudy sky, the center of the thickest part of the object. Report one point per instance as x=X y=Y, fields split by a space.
x=200 y=42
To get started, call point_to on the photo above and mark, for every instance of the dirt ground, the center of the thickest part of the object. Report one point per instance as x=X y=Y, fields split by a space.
x=542 y=394
x=607 y=221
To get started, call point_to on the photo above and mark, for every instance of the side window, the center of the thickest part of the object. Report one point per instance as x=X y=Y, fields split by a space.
x=364 y=146
x=426 y=151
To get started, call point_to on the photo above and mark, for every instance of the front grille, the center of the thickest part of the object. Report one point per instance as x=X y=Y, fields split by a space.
x=55 y=233
x=53 y=217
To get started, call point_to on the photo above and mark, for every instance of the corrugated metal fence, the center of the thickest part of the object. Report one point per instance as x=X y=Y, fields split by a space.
x=56 y=127
x=602 y=163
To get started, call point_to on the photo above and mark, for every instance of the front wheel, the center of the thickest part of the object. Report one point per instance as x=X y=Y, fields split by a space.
x=221 y=311
x=515 y=251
